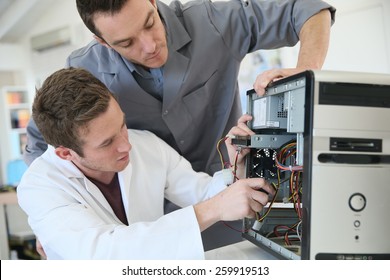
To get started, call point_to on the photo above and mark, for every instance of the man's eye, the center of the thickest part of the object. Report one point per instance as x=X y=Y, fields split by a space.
x=150 y=24
x=126 y=45
x=106 y=144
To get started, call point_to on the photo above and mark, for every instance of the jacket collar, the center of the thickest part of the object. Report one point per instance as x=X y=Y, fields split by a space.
x=173 y=26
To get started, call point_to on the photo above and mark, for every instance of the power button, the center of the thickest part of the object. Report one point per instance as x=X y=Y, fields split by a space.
x=357 y=202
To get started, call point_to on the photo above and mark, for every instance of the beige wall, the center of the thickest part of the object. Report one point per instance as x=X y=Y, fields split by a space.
x=360 y=39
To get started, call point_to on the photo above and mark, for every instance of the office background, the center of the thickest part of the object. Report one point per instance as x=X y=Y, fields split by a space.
x=360 y=41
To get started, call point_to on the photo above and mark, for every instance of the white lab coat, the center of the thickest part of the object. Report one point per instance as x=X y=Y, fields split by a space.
x=73 y=220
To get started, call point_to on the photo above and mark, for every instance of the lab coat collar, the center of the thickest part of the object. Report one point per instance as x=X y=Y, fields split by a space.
x=68 y=168
x=71 y=171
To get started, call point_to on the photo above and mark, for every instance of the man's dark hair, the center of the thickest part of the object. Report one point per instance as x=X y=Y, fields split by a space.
x=65 y=104
x=89 y=8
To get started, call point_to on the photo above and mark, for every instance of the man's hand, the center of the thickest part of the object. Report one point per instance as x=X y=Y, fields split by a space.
x=265 y=78
x=241 y=199
x=241 y=129
x=314 y=42
x=40 y=250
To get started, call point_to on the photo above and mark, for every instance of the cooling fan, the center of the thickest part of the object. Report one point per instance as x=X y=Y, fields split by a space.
x=262 y=164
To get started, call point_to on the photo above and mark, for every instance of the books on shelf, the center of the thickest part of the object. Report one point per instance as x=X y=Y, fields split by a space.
x=19 y=118
x=14 y=97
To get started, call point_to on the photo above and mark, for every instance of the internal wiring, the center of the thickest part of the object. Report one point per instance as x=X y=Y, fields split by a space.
x=235 y=164
x=220 y=153
x=276 y=187
x=227 y=164
x=286 y=154
x=289 y=233
x=284 y=161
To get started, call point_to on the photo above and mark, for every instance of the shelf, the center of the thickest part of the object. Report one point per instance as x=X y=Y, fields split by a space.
x=16 y=112
x=19 y=106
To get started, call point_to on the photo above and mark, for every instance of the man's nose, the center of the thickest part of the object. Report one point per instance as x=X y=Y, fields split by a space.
x=147 y=42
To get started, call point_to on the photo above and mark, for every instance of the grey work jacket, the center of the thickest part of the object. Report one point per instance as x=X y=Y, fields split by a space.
x=207 y=42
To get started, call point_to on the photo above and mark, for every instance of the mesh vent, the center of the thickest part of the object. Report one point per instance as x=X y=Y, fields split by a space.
x=281 y=112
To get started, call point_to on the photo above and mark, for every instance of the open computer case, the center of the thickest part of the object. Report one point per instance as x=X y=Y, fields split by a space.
x=322 y=138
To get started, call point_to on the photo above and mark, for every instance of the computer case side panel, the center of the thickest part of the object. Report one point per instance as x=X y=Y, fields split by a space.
x=307 y=159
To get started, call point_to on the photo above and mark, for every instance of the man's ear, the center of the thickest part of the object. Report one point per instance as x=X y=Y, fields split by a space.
x=64 y=153
x=101 y=41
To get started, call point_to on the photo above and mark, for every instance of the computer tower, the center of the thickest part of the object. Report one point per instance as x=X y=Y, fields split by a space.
x=322 y=138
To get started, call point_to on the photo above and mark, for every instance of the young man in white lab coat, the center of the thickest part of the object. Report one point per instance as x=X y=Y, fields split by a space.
x=98 y=191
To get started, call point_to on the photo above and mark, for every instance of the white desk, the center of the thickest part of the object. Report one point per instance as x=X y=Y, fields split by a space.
x=243 y=250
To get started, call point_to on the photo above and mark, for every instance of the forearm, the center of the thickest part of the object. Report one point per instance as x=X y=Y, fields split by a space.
x=236 y=153
x=206 y=214
x=314 y=37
